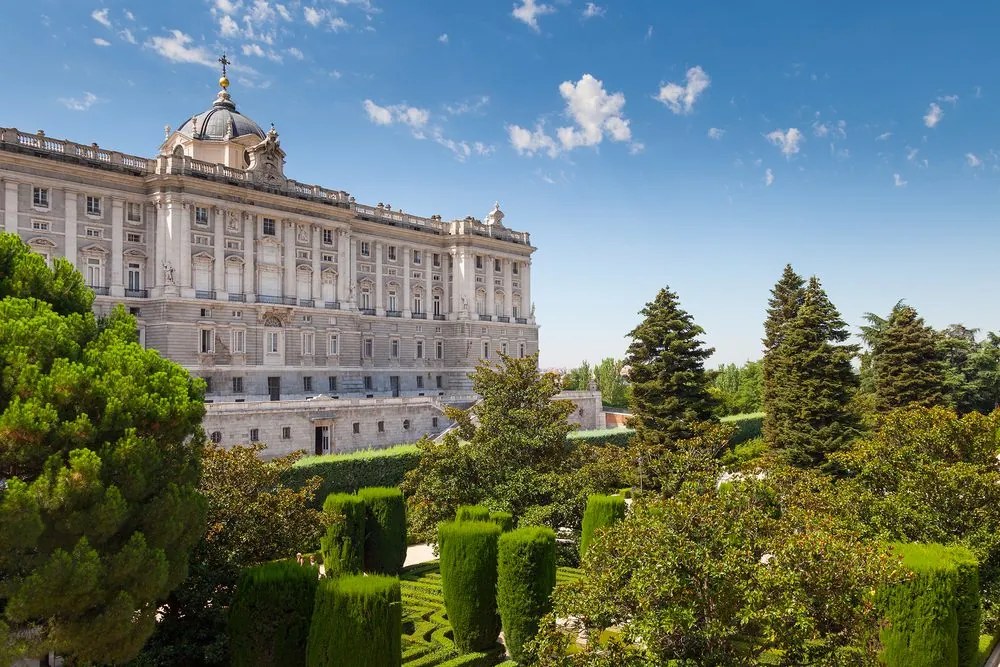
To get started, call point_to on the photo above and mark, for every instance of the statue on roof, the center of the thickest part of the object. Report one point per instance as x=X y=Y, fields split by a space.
x=495 y=216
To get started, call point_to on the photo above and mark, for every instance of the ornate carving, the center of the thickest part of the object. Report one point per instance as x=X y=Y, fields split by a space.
x=303 y=233
x=168 y=273
x=232 y=221
x=267 y=161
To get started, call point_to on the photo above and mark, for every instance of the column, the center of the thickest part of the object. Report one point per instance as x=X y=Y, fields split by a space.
x=317 y=286
x=117 y=246
x=154 y=278
x=173 y=277
x=288 y=288
x=345 y=262
x=407 y=305
x=429 y=284
x=490 y=289
x=219 y=265
x=10 y=207
x=451 y=298
x=529 y=308
x=508 y=287
x=185 y=210
x=249 y=254
x=379 y=306
x=70 y=236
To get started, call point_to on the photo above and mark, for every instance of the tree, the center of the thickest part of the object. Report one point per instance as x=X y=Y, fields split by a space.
x=252 y=519
x=786 y=298
x=666 y=369
x=972 y=369
x=579 y=378
x=906 y=363
x=611 y=383
x=812 y=383
x=99 y=462
x=738 y=388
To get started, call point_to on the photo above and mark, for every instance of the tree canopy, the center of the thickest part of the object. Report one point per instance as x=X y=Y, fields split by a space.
x=907 y=365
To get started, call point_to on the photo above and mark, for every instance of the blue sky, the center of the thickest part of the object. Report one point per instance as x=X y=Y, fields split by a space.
x=696 y=145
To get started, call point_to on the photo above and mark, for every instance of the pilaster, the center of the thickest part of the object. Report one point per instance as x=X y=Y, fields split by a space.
x=508 y=287
x=490 y=289
x=185 y=279
x=288 y=232
x=10 y=207
x=379 y=280
x=117 y=246
x=71 y=231
x=219 y=254
x=317 y=276
x=407 y=296
x=249 y=256
x=429 y=284
x=345 y=268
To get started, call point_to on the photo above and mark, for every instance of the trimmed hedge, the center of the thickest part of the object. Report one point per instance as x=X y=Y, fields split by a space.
x=472 y=513
x=357 y=622
x=469 y=581
x=343 y=546
x=385 y=529
x=748 y=426
x=526 y=575
x=503 y=519
x=601 y=511
x=346 y=473
x=270 y=614
x=602 y=436
x=934 y=618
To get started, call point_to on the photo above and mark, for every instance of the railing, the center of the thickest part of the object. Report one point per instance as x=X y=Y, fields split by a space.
x=485 y=318
x=100 y=291
x=393 y=313
x=503 y=318
x=204 y=294
x=366 y=311
x=521 y=320
x=240 y=298
x=137 y=293
x=332 y=305
x=283 y=300
x=439 y=317
x=307 y=303
x=398 y=218
x=419 y=316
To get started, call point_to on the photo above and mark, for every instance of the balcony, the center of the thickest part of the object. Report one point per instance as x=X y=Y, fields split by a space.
x=240 y=298
x=137 y=293
x=205 y=294
x=439 y=317
x=393 y=313
x=503 y=318
x=521 y=320
x=307 y=303
x=332 y=305
x=366 y=311
x=283 y=300
x=419 y=316
x=100 y=291
x=485 y=318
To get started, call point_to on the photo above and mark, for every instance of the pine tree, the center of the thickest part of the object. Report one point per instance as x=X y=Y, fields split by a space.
x=907 y=367
x=812 y=383
x=782 y=307
x=666 y=363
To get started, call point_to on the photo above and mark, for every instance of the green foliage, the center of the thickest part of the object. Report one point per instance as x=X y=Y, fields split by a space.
x=666 y=369
x=472 y=513
x=469 y=581
x=973 y=369
x=745 y=452
x=579 y=378
x=357 y=622
x=343 y=545
x=906 y=363
x=787 y=296
x=503 y=519
x=526 y=575
x=613 y=386
x=738 y=389
x=99 y=456
x=346 y=473
x=620 y=437
x=748 y=426
x=385 y=529
x=602 y=511
x=270 y=615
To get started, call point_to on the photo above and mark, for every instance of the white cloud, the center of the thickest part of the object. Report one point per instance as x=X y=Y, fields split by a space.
x=883 y=136
x=716 y=133
x=528 y=142
x=337 y=24
x=296 y=53
x=101 y=42
x=253 y=50
x=335 y=73
x=933 y=116
x=787 y=141
x=228 y=6
x=414 y=117
x=680 y=99
x=260 y=12
x=443 y=38
x=129 y=15
x=950 y=99
x=467 y=106
x=127 y=35
x=101 y=16
x=593 y=11
x=283 y=12
x=462 y=150
x=768 y=177
x=898 y=181
x=314 y=16
x=418 y=120
x=649 y=33
x=79 y=104
x=821 y=129
x=973 y=160
x=228 y=27
x=177 y=47
x=528 y=13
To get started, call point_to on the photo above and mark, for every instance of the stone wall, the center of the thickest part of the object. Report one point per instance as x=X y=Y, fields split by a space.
x=588 y=413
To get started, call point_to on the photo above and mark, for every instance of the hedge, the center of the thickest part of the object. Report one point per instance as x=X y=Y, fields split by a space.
x=503 y=519
x=468 y=582
x=602 y=436
x=526 y=575
x=934 y=617
x=343 y=546
x=357 y=622
x=748 y=426
x=385 y=529
x=472 y=513
x=601 y=511
x=270 y=613
x=346 y=473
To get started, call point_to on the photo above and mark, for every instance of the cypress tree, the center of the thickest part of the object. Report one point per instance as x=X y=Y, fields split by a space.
x=907 y=368
x=667 y=370
x=813 y=381
x=782 y=307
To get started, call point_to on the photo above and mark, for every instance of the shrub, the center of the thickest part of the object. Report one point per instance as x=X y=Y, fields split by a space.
x=469 y=580
x=472 y=513
x=526 y=575
x=503 y=519
x=344 y=543
x=385 y=529
x=934 y=617
x=346 y=473
x=270 y=614
x=602 y=436
x=601 y=511
x=748 y=426
x=357 y=622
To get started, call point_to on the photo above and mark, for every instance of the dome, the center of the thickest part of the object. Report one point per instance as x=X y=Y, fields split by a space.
x=221 y=122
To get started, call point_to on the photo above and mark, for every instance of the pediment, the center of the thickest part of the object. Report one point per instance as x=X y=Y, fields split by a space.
x=94 y=249
x=41 y=242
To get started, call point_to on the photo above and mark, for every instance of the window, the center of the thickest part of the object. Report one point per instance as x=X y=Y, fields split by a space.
x=368 y=383
x=308 y=343
x=216 y=437
x=420 y=382
x=369 y=348
x=272 y=342
x=503 y=348
x=418 y=303
x=333 y=345
x=366 y=298
x=307 y=383
x=366 y=249
x=239 y=337
x=233 y=244
x=208 y=384
x=480 y=303
x=496 y=266
x=392 y=253
x=356 y=427
x=406 y=424
x=237 y=314
x=134 y=276
x=207 y=340
x=237 y=385
x=95 y=232
x=206 y=312
x=201 y=239
x=479 y=261
x=381 y=427
x=437 y=304
x=303 y=254
x=200 y=215
x=436 y=259
x=133 y=237
x=133 y=212
x=486 y=350
x=286 y=432
x=393 y=300
x=268 y=227
x=95 y=272
x=40 y=197
x=513 y=267
x=254 y=435
x=93 y=205
x=394 y=347
x=420 y=349
x=327 y=256
x=434 y=422
x=439 y=349
x=327 y=237
x=439 y=381
x=331 y=383
x=520 y=350
x=417 y=257
x=40 y=225
x=515 y=309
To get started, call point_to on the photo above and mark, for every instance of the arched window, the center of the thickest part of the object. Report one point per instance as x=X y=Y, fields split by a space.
x=437 y=304
x=498 y=303
x=216 y=437
x=481 y=302
x=366 y=296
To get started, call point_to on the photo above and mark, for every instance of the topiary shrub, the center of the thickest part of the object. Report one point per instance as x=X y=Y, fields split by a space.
x=346 y=473
x=270 y=614
x=601 y=511
x=526 y=575
x=469 y=580
x=472 y=513
x=357 y=622
x=968 y=606
x=385 y=529
x=344 y=543
x=503 y=519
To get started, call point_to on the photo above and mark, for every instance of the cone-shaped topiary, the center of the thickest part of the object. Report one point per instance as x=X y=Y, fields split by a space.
x=472 y=513
x=385 y=529
x=601 y=511
x=357 y=622
x=503 y=519
x=344 y=542
x=469 y=581
x=526 y=575
x=270 y=614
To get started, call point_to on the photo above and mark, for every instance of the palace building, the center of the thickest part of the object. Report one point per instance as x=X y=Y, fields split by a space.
x=318 y=323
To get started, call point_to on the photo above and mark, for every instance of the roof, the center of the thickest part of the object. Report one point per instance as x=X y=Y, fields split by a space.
x=221 y=122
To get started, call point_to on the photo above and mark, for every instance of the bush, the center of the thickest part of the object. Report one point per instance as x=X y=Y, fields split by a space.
x=343 y=546
x=503 y=519
x=601 y=511
x=357 y=622
x=934 y=617
x=472 y=513
x=602 y=436
x=748 y=426
x=385 y=529
x=526 y=575
x=469 y=581
x=346 y=473
x=270 y=613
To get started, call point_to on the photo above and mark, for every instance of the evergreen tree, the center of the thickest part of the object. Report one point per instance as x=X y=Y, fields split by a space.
x=666 y=360
x=812 y=382
x=907 y=368
x=782 y=307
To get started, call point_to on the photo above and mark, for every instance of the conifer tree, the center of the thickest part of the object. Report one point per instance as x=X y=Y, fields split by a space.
x=666 y=363
x=812 y=382
x=782 y=307
x=907 y=367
